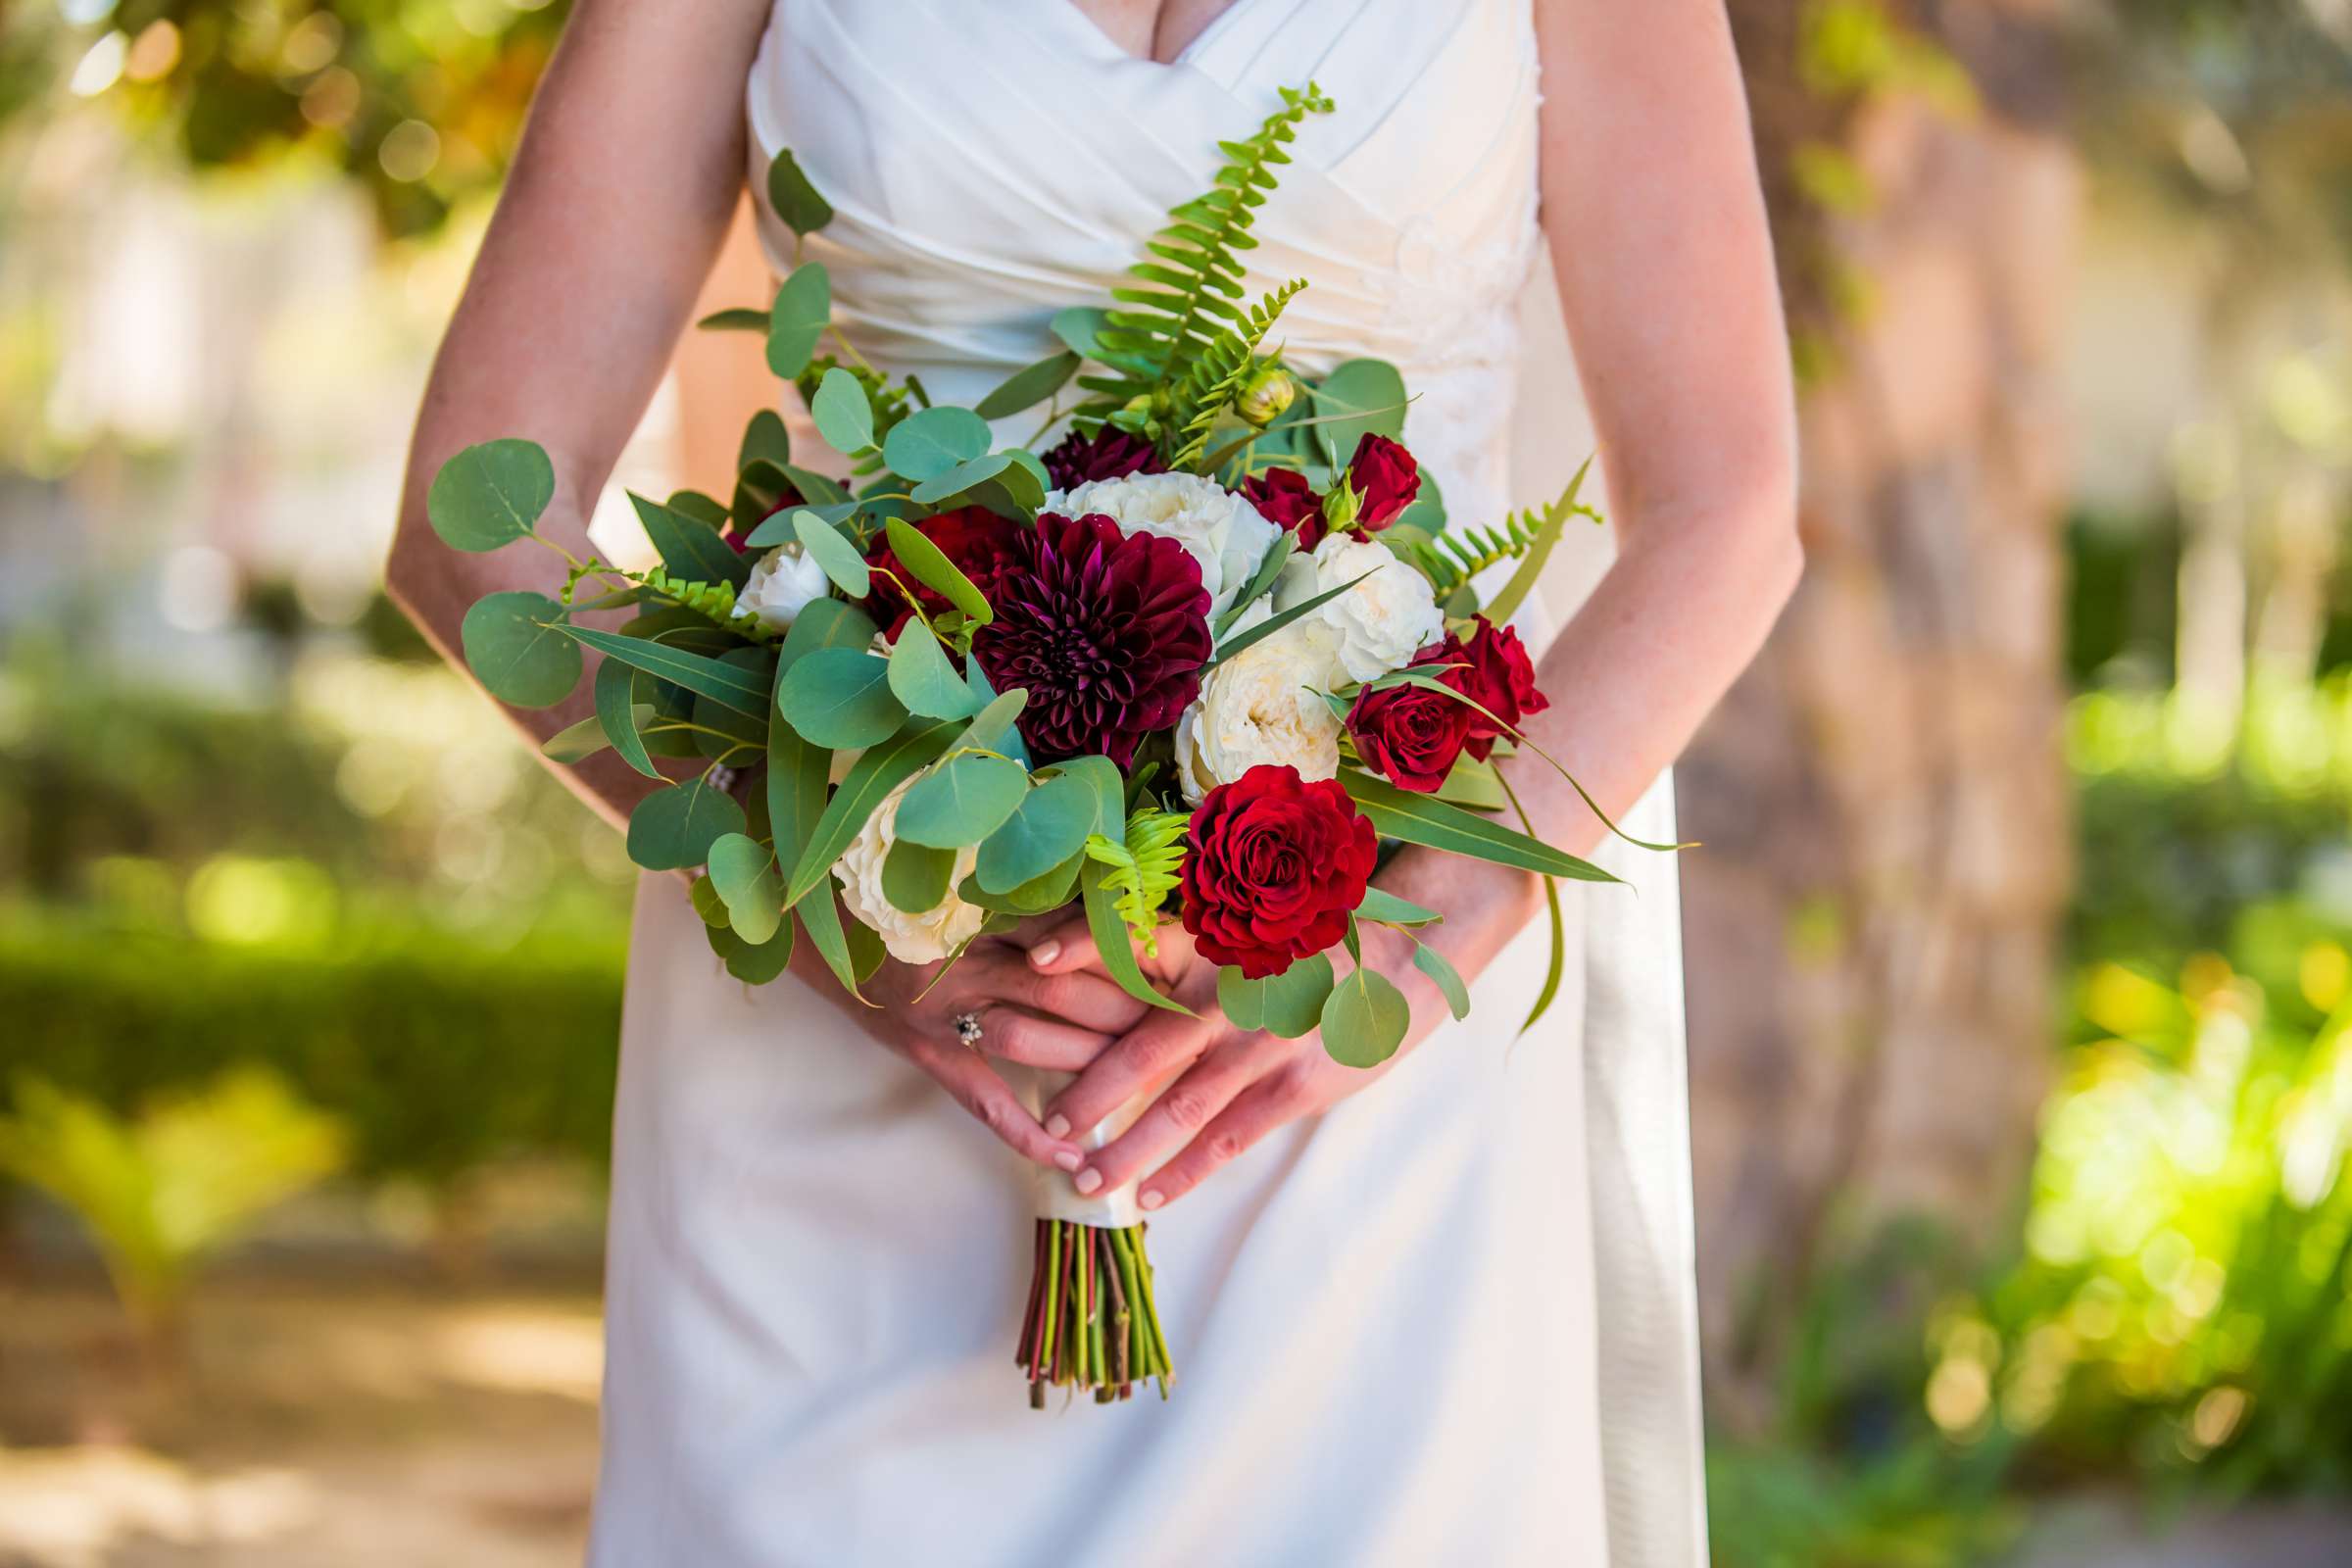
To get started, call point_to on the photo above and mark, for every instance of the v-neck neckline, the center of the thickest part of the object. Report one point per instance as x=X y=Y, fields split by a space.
x=1103 y=43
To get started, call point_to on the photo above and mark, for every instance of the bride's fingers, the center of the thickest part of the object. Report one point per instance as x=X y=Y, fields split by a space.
x=1183 y=1111
x=1063 y=948
x=1155 y=1050
x=1087 y=1000
x=1255 y=1111
x=975 y=1086
x=1020 y=1035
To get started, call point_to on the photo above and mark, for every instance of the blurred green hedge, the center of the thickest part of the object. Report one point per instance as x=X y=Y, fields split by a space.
x=441 y=1054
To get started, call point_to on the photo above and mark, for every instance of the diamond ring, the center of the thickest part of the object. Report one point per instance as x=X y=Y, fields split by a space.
x=967 y=1027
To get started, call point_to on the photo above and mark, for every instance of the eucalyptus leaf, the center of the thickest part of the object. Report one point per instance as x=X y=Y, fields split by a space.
x=754 y=964
x=881 y=769
x=622 y=716
x=1077 y=327
x=1288 y=1004
x=932 y=568
x=703 y=896
x=1029 y=386
x=490 y=495
x=844 y=416
x=674 y=828
x=520 y=646
x=744 y=873
x=922 y=680
x=802 y=310
x=1435 y=964
x=963 y=477
x=1364 y=1019
x=963 y=801
x=735 y=319
x=1357 y=398
x=1048 y=828
x=840 y=698
x=833 y=550
x=794 y=197
x=930 y=442
x=915 y=876
x=1393 y=911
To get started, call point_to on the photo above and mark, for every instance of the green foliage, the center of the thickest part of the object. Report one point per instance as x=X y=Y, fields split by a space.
x=1216 y=375
x=490 y=495
x=161 y=1191
x=714 y=602
x=1288 y=1004
x=1452 y=559
x=1142 y=870
x=1182 y=308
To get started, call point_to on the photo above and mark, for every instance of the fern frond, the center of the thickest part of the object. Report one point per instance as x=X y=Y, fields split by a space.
x=1216 y=378
x=1460 y=552
x=1143 y=870
x=1184 y=304
x=714 y=601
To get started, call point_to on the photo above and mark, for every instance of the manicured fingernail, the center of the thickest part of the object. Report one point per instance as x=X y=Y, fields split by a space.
x=1057 y=1127
x=1045 y=952
x=1085 y=1180
x=1150 y=1200
x=1068 y=1159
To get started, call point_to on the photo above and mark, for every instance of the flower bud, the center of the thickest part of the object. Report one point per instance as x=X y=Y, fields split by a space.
x=1340 y=504
x=1266 y=396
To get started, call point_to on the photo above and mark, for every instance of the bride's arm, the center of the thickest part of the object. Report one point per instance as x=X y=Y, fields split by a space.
x=628 y=172
x=1658 y=235
x=628 y=176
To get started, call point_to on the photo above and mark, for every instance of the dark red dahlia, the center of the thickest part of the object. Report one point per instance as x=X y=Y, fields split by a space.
x=976 y=539
x=1284 y=498
x=1495 y=673
x=1108 y=631
x=1108 y=454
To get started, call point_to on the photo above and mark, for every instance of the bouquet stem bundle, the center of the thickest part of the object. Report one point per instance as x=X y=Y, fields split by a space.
x=1092 y=1321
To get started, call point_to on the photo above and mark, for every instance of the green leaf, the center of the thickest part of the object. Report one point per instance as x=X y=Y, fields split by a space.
x=766 y=439
x=1283 y=617
x=1038 y=896
x=927 y=444
x=817 y=489
x=694 y=503
x=828 y=623
x=1078 y=325
x=794 y=198
x=1113 y=943
x=1287 y=1004
x=915 y=876
x=622 y=715
x=1261 y=581
x=962 y=477
x=1048 y=828
x=755 y=964
x=1028 y=387
x=722 y=683
x=881 y=769
x=833 y=552
x=1364 y=1019
x=991 y=729
x=738 y=319
x=922 y=680
x=1559 y=967
x=490 y=495
x=1531 y=564
x=802 y=310
x=1357 y=398
x=690 y=547
x=520 y=646
x=844 y=417
x=703 y=896
x=840 y=698
x=821 y=917
x=745 y=874
x=1395 y=813
x=576 y=743
x=932 y=568
x=674 y=828
x=1472 y=783
x=962 y=802
x=1435 y=964
x=735 y=731
x=1393 y=911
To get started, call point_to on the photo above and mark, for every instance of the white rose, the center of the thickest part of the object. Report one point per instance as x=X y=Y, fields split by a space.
x=783 y=583
x=924 y=938
x=1221 y=530
x=1263 y=705
x=1390 y=615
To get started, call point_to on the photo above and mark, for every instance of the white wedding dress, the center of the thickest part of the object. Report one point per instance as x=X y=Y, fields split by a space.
x=1450 y=1320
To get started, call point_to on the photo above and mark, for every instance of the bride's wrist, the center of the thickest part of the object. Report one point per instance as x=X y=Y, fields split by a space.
x=1482 y=906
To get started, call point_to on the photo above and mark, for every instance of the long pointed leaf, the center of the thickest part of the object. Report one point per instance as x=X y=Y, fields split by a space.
x=1395 y=813
x=722 y=683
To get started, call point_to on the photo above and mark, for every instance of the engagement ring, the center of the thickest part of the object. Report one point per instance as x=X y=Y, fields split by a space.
x=967 y=1028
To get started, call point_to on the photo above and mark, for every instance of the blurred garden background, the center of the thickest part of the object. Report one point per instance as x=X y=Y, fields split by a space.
x=2021 y=943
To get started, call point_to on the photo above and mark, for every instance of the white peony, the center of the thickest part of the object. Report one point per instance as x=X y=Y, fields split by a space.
x=924 y=938
x=1263 y=705
x=1390 y=615
x=1222 y=531
x=783 y=583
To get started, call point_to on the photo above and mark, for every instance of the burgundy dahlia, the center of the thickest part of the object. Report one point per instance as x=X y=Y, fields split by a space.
x=1108 y=632
x=1109 y=454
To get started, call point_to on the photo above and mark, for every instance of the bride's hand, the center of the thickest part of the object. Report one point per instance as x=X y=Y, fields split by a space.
x=1060 y=1020
x=1219 y=1088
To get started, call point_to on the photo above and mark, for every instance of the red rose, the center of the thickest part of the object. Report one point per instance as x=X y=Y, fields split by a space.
x=1276 y=866
x=1495 y=673
x=1410 y=733
x=975 y=538
x=1388 y=478
x=1284 y=498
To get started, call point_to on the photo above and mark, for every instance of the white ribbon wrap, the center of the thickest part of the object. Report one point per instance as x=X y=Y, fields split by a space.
x=1051 y=1190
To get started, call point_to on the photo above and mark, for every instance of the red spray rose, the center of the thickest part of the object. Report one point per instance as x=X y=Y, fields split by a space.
x=1276 y=866
x=1387 y=476
x=1109 y=454
x=1410 y=733
x=976 y=539
x=1284 y=498
x=1497 y=675
x=1108 y=631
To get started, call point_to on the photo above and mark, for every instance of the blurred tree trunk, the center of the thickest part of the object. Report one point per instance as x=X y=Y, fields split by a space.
x=1882 y=799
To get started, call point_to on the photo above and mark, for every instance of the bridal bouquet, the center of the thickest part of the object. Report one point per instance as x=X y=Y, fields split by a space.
x=1193 y=660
